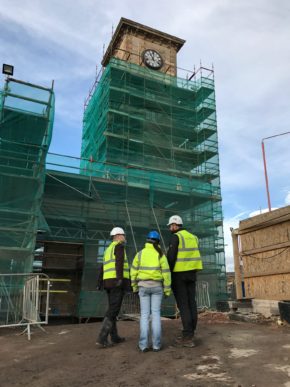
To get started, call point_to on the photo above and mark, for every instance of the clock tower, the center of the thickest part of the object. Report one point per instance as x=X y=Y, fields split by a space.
x=144 y=46
x=150 y=141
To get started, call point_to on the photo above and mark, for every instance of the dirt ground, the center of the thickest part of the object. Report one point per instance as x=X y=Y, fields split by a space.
x=227 y=354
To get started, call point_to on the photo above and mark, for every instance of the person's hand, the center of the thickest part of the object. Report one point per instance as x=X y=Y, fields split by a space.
x=119 y=283
x=100 y=285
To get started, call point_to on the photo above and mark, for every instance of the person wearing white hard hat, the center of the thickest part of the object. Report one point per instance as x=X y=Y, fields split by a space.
x=116 y=280
x=185 y=261
x=175 y=219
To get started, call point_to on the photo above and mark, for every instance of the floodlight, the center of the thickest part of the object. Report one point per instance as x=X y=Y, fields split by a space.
x=7 y=69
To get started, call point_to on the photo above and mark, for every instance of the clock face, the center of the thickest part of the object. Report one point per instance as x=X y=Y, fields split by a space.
x=152 y=59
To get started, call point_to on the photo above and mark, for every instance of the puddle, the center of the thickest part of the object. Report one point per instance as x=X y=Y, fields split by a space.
x=237 y=353
x=210 y=369
x=220 y=377
x=278 y=367
x=284 y=369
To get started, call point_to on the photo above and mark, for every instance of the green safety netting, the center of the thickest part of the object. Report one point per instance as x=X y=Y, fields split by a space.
x=26 y=120
x=149 y=150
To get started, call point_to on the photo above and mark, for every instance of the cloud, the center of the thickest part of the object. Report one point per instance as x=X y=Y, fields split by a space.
x=287 y=199
x=66 y=25
x=261 y=211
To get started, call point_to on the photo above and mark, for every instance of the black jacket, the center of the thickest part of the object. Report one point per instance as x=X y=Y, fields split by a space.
x=172 y=250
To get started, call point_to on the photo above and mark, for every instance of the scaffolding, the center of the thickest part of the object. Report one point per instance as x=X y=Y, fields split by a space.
x=82 y=206
x=149 y=151
x=144 y=118
x=26 y=119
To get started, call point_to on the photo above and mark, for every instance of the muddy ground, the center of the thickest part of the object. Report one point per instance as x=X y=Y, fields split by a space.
x=227 y=354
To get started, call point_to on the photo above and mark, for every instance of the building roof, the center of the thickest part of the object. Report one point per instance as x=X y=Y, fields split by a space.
x=126 y=24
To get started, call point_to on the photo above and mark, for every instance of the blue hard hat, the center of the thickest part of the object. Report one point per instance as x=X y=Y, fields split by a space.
x=153 y=235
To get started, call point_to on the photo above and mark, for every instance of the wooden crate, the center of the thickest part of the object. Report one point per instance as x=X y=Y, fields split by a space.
x=264 y=249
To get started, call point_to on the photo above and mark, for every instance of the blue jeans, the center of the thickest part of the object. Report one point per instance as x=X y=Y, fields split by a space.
x=150 y=303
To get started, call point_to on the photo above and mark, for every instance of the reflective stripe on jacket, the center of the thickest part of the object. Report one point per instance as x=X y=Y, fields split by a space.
x=148 y=266
x=109 y=263
x=188 y=255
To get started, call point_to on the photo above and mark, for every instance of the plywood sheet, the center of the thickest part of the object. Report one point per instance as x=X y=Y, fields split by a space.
x=276 y=287
x=270 y=262
x=268 y=236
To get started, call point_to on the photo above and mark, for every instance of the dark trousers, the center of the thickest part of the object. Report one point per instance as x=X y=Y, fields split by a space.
x=183 y=286
x=115 y=298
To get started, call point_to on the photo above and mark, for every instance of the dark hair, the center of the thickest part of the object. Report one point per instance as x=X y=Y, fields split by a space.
x=157 y=248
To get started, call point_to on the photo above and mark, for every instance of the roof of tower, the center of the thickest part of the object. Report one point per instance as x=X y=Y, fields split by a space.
x=130 y=25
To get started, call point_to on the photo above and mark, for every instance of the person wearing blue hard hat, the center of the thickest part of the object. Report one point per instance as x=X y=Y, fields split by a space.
x=153 y=235
x=150 y=275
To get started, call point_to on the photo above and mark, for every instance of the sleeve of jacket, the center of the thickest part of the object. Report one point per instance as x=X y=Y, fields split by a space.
x=166 y=274
x=172 y=251
x=100 y=274
x=134 y=273
x=119 y=254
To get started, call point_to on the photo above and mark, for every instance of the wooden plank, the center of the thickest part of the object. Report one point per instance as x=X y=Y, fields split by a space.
x=276 y=287
x=264 y=220
x=238 y=274
x=265 y=225
x=266 y=248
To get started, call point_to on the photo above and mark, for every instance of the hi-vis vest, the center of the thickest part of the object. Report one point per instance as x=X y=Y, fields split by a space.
x=109 y=263
x=188 y=255
x=148 y=266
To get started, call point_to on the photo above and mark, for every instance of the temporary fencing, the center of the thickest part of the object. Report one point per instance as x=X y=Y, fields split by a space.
x=202 y=295
x=20 y=297
x=131 y=305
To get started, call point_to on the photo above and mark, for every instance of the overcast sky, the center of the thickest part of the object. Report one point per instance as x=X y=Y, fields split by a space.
x=248 y=41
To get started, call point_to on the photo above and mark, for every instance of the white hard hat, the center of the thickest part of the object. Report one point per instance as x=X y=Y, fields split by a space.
x=174 y=219
x=117 y=231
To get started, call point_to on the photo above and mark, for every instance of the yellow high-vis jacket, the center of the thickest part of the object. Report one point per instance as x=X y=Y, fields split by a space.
x=148 y=266
x=109 y=263
x=188 y=255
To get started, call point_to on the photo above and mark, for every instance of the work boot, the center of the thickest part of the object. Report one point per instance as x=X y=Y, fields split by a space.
x=115 y=338
x=185 y=342
x=106 y=328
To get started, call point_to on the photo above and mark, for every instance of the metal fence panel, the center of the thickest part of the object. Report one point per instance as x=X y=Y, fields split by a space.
x=20 y=297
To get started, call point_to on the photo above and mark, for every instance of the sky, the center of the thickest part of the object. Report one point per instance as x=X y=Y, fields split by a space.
x=247 y=41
